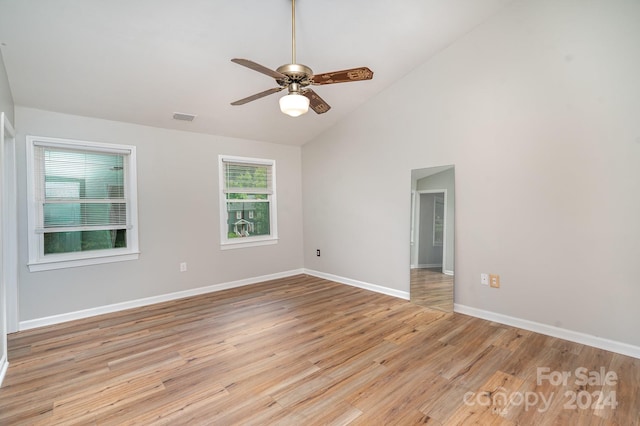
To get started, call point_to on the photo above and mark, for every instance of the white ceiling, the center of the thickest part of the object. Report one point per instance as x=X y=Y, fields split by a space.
x=140 y=61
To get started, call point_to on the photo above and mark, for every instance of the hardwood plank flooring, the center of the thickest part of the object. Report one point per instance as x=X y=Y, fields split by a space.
x=431 y=288
x=303 y=350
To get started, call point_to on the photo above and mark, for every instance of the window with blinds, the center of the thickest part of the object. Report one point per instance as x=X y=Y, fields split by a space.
x=247 y=201
x=81 y=200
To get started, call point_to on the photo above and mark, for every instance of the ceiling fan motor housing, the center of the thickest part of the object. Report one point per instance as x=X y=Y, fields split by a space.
x=296 y=74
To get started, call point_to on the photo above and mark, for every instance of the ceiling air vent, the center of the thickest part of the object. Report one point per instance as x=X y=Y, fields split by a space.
x=183 y=117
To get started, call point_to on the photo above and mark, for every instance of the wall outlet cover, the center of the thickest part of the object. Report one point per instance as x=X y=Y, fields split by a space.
x=484 y=279
x=494 y=280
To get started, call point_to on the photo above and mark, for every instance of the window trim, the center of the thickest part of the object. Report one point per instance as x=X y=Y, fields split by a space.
x=261 y=240
x=37 y=260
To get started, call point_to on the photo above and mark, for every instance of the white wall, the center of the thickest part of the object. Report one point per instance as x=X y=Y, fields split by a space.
x=6 y=112
x=178 y=217
x=538 y=110
x=6 y=99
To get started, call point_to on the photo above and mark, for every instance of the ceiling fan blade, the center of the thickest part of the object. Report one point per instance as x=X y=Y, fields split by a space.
x=316 y=102
x=257 y=96
x=260 y=68
x=344 y=76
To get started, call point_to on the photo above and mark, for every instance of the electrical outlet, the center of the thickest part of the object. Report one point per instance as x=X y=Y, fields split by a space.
x=494 y=280
x=318 y=252
x=183 y=267
x=484 y=279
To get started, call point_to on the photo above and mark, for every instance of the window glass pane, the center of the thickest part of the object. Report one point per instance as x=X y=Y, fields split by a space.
x=67 y=242
x=253 y=219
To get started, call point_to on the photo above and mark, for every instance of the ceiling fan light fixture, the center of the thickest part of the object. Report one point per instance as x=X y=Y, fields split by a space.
x=294 y=104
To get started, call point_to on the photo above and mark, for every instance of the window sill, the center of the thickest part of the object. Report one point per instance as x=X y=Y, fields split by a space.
x=47 y=265
x=243 y=244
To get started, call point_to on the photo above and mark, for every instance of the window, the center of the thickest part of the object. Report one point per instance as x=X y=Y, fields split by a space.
x=82 y=203
x=247 y=202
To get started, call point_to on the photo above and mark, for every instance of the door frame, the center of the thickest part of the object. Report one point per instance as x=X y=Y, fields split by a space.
x=8 y=236
x=9 y=213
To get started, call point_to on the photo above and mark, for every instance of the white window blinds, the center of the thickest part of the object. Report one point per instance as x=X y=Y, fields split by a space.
x=79 y=190
x=245 y=178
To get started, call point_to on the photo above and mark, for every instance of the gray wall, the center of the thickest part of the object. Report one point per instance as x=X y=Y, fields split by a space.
x=538 y=110
x=428 y=254
x=444 y=180
x=178 y=217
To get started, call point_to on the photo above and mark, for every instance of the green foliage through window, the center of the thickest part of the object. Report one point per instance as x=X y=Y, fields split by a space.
x=68 y=242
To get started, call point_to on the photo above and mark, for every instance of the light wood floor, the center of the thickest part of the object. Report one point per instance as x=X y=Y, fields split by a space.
x=432 y=289
x=299 y=351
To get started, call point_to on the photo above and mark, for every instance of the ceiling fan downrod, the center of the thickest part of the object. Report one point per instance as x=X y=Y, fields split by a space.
x=293 y=31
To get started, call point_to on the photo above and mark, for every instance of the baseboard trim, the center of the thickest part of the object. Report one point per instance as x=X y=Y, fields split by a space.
x=4 y=365
x=561 y=333
x=447 y=272
x=107 y=309
x=360 y=284
x=574 y=336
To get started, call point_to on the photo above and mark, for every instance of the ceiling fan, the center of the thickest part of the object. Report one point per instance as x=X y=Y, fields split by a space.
x=297 y=78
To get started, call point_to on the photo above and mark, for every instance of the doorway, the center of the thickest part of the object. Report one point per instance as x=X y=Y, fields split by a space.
x=430 y=228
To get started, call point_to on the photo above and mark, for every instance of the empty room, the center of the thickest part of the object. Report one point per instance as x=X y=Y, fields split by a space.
x=298 y=212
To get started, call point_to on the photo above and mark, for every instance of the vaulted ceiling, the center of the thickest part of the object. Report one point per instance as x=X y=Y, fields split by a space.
x=140 y=61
